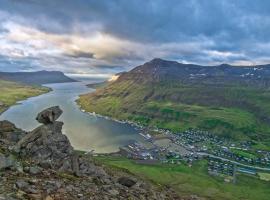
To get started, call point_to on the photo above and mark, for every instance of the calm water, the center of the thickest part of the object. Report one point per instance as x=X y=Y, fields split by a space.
x=85 y=132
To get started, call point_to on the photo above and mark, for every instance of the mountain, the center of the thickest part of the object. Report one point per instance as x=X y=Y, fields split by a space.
x=158 y=70
x=230 y=101
x=36 y=78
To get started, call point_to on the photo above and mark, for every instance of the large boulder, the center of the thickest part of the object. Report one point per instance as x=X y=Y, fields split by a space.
x=126 y=181
x=49 y=148
x=9 y=134
x=9 y=162
x=46 y=145
x=6 y=126
x=49 y=115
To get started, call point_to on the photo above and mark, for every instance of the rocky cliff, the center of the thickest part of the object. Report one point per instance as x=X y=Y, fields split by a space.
x=42 y=164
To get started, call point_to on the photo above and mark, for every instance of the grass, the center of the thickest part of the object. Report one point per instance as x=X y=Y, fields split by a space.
x=244 y=153
x=193 y=180
x=240 y=113
x=264 y=176
x=12 y=92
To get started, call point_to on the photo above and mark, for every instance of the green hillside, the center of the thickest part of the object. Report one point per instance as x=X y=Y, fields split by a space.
x=193 y=180
x=228 y=108
x=11 y=92
x=241 y=118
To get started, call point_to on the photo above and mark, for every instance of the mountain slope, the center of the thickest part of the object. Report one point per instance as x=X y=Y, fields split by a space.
x=37 y=78
x=231 y=101
x=12 y=92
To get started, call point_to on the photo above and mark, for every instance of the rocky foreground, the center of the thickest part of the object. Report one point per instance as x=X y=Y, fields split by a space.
x=42 y=164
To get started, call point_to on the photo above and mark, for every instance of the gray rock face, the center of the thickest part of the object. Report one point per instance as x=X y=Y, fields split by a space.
x=126 y=181
x=5 y=162
x=49 y=115
x=43 y=165
x=21 y=184
x=9 y=134
x=6 y=126
x=34 y=170
x=46 y=145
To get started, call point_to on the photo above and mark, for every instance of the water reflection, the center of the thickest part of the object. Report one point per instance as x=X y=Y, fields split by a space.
x=85 y=132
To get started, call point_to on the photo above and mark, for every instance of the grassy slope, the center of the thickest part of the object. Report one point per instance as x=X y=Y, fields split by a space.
x=194 y=180
x=234 y=112
x=11 y=92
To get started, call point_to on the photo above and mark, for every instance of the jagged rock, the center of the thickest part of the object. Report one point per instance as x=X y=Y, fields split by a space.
x=22 y=185
x=113 y=192
x=9 y=134
x=47 y=146
x=25 y=186
x=6 y=126
x=6 y=162
x=53 y=170
x=49 y=115
x=34 y=170
x=126 y=181
x=52 y=186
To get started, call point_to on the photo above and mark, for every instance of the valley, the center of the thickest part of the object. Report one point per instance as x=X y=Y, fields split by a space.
x=226 y=106
x=219 y=119
x=198 y=160
x=134 y=100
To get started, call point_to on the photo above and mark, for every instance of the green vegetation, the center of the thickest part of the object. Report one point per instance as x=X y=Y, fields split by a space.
x=98 y=85
x=12 y=92
x=244 y=153
x=193 y=180
x=264 y=176
x=235 y=112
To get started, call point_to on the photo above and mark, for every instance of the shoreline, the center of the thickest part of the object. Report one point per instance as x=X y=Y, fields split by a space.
x=6 y=107
x=164 y=132
x=133 y=124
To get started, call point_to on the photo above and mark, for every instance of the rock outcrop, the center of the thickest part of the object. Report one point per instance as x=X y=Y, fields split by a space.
x=9 y=134
x=42 y=165
x=46 y=145
x=50 y=148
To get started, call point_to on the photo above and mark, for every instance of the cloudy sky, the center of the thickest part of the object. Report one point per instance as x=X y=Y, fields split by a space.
x=107 y=36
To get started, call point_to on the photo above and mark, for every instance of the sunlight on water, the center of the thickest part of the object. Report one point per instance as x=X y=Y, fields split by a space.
x=85 y=132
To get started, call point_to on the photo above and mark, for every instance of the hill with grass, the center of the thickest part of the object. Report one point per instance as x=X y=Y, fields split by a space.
x=194 y=180
x=230 y=101
x=36 y=78
x=12 y=92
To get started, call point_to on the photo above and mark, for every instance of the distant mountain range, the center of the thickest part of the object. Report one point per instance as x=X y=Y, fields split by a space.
x=158 y=70
x=36 y=78
x=231 y=101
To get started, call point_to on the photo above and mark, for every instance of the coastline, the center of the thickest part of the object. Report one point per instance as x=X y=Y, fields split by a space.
x=134 y=124
x=164 y=131
x=6 y=107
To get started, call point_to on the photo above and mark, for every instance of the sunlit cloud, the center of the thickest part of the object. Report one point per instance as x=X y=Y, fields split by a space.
x=101 y=37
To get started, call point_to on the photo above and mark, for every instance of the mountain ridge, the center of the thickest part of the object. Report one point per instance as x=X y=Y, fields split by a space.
x=158 y=70
x=37 y=77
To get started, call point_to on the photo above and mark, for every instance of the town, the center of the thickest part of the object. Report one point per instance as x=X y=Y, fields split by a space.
x=225 y=157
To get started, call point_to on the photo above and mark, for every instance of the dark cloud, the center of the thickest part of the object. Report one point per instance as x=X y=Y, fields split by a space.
x=153 y=20
x=81 y=54
x=220 y=31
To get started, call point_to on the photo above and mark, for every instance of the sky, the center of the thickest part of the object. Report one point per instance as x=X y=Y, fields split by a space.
x=103 y=37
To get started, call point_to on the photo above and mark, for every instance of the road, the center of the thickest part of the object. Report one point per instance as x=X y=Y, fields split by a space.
x=234 y=162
